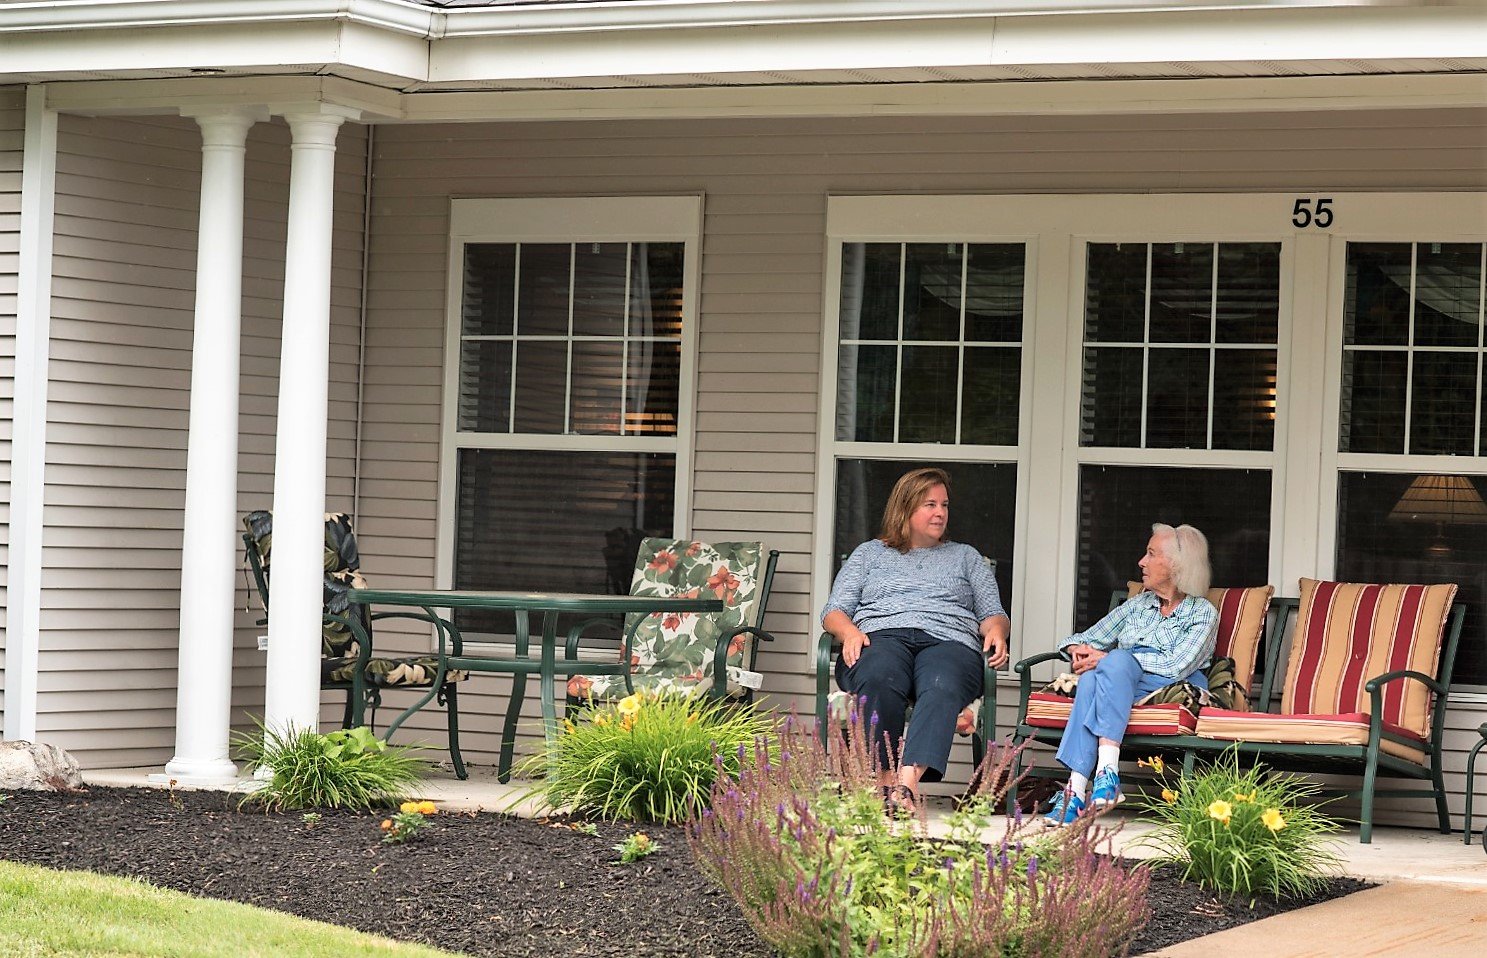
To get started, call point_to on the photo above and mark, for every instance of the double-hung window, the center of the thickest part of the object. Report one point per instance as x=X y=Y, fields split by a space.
x=567 y=390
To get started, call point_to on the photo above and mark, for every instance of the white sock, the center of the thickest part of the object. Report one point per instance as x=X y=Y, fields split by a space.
x=1109 y=757
x=1078 y=784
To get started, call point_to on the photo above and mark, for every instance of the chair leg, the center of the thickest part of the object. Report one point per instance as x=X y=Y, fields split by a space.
x=451 y=706
x=346 y=712
x=1370 y=776
x=1438 y=782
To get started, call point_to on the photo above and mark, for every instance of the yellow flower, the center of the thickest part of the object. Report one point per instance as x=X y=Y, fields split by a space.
x=641 y=840
x=628 y=722
x=387 y=824
x=629 y=705
x=601 y=720
x=569 y=727
x=1154 y=763
x=1273 y=819
x=1220 y=810
x=427 y=807
x=1169 y=796
x=408 y=807
x=1241 y=797
x=691 y=719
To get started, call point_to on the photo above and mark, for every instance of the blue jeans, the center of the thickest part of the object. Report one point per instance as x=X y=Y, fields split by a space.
x=1102 y=706
x=909 y=666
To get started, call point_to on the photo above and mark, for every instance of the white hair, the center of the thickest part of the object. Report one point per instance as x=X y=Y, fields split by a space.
x=1187 y=549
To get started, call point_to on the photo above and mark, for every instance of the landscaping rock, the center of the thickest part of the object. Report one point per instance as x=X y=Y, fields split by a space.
x=28 y=765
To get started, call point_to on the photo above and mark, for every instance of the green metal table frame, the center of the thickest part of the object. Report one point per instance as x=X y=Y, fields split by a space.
x=545 y=664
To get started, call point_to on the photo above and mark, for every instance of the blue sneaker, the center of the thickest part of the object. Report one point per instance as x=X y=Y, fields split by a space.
x=1106 y=791
x=1066 y=807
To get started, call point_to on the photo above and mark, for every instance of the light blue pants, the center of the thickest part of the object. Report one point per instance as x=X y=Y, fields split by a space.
x=1102 y=706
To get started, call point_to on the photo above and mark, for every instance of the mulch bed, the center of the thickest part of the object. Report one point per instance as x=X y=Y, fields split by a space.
x=482 y=884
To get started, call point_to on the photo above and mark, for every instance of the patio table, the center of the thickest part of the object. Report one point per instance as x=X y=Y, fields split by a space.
x=522 y=662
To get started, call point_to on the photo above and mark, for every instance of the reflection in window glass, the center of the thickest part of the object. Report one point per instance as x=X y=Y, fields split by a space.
x=1412 y=349
x=1118 y=504
x=596 y=332
x=983 y=507
x=911 y=366
x=1170 y=328
x=1405 y=527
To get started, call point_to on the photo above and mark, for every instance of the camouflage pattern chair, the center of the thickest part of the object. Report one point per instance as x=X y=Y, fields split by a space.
x=347 y=663
x=688 y=651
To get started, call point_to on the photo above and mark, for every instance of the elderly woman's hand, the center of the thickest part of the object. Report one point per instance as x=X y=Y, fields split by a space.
x=1084 y=658
x=995 y=647
x=852 y=644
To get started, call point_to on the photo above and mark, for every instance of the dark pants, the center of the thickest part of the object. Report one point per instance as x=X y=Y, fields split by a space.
x=903 y=667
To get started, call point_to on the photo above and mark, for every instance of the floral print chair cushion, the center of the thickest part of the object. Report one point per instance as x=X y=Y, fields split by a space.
x=675 y=651
x=339 y=648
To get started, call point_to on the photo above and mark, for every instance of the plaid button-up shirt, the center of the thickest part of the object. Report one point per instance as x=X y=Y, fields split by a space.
x=1171 y=646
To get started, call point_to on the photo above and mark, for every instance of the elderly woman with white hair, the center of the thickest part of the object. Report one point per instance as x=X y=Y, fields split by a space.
x=1161 y=636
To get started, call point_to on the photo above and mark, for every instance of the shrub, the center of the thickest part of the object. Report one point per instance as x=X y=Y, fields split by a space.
x=1243 y=831
x=350 y=768
x=646 y=757
x=802 y=843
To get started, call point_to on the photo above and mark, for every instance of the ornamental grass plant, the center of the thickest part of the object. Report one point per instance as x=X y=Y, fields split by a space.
x=349 y=768
x=647 y=758
x=1243 y=830
x=802 y=843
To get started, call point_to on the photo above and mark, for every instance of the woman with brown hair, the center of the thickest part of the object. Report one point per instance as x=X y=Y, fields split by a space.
x=915 y=614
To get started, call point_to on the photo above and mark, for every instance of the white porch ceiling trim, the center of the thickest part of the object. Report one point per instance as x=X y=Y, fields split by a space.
x=398 y=44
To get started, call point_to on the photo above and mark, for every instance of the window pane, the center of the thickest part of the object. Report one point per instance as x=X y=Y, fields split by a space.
x=1115 y=293
x=485 y=386
x=1381 y=539
x=599 y=289
x=1181 y=292
x=656 y=281
x=598 y=383
x=1443 y=401
x=541 y=386
x=927 y=394
x=490 y=284
x=1110 y=403
x=552 y=521
x=864 y=405
x=1376 y=298
x=1249 y=292
x=1372 y=402
x=932 y=291
x=992 y=385
x=542 y=295
x=983 y=507
x=1448 y=293
x=869 y=304
x=1177 y=399
x=1118 y=504
x=994 y=282
x=1244 y=399
x=652 y=388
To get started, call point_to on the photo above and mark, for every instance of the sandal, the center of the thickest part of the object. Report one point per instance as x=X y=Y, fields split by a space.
x=900 y=800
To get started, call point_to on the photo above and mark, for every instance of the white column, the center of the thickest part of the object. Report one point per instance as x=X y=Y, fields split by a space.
x=293 y=681
x=209 y=542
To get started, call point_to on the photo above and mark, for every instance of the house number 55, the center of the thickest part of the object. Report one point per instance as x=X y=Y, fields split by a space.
x=1309 y=212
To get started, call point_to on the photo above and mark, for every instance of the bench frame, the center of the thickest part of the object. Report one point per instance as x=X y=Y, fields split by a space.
x=1366 y=759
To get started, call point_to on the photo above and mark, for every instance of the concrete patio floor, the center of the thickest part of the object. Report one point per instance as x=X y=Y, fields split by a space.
x=1432 y=899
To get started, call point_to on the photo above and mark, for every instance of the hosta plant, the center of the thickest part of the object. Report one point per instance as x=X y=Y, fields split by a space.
x=1243 y=830
x=646 y=758
x=349 y=768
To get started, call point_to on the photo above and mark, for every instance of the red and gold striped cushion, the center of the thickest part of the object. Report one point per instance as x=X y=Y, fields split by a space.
x=1050 y=710
x=1241 y=625
x=1348 y=633
x=1350 y=728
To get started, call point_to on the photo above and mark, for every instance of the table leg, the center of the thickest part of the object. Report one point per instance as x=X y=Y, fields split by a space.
x=513 y=707
x=549 y=676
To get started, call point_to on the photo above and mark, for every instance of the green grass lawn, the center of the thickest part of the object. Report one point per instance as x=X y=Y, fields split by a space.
x=45 y=912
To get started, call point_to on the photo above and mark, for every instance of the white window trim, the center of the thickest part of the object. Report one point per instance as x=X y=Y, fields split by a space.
x=597 y=219
x=1304 y=461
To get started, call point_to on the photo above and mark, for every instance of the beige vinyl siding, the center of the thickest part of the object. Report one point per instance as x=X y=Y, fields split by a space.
x=12 y=134
x=763 y=255
x=119 y=401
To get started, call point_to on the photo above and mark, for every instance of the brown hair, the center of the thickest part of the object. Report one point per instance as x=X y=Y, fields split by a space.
x=907 y=493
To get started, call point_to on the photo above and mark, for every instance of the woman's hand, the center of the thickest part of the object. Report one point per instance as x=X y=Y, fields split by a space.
x=995 y=647
x=1084 y=658
x=852 y=645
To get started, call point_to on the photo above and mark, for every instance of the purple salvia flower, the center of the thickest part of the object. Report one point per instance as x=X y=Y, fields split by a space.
x=1032 y=867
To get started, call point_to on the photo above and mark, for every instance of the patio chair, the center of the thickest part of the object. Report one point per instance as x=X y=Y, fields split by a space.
x=347 y=661
x=689 y=652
